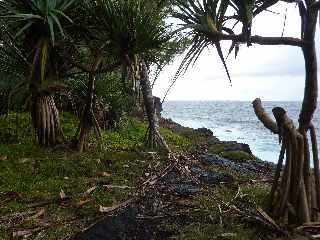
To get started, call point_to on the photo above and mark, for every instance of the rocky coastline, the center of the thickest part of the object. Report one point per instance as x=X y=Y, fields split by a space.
x=211 y=164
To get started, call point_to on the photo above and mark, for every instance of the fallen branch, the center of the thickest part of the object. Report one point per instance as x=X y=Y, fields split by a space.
x=116 y=186
x=116 y=207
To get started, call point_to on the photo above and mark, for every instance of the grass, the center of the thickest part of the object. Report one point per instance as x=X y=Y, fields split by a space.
x=238 y=155
x=206 y=222
x=30 y=175
x=209 y=231
x=234 y=155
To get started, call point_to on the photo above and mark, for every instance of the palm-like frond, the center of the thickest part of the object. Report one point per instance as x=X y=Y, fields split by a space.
x=45 y=15
x=203 y=21
x=245 y=13
x=130 y=27
x=36 y=24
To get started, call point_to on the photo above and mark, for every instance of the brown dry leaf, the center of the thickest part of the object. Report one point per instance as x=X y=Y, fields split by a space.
x=26 y=232
x=103 y=209
x=114 y=207
x=103 y=174
x=22 y=233
x=62 y=194
x=116 y=186
x=3 y=158
x=90 y=190
x=228 y=235
x=40 y=213
x=81 y=203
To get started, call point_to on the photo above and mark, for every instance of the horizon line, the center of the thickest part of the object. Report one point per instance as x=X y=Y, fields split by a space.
x=230 y=100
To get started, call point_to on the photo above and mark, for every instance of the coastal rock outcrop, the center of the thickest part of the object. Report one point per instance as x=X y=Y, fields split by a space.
x=211 y=177
x=235 y=146
x=243 y=166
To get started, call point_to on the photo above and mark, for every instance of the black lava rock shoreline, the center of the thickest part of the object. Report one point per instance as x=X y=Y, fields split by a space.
x=196 y=171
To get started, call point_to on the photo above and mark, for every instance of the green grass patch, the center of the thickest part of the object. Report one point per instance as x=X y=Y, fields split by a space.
x=238 y=155
x=31 y=175
x=216 y=148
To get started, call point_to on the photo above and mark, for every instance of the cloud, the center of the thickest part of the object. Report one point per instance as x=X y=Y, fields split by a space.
x=269 y=72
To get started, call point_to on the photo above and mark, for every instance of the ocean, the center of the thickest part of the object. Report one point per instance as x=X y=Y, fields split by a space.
x=234 y=121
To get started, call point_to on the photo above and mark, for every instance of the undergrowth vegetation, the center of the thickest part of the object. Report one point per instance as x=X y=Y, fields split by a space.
x=64 y=191
x=32 y=179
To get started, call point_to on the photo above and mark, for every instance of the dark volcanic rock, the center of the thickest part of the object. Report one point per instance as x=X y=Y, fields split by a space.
x=235 y=146
x=243 y=167
x=208 y=134
x=180 y=186
x=251 y=167
x=215 y=159
x=211 y=177
x=116 y=227
x=170 y=124
x=204 y=131
x=185 y=189
x=127 y=225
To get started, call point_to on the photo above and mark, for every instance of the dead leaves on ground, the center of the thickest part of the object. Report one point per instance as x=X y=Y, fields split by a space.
x=103 y=174
x=115 y=207
x=3 y=158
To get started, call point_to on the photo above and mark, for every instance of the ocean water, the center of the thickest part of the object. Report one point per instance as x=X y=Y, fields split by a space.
x=234 y=121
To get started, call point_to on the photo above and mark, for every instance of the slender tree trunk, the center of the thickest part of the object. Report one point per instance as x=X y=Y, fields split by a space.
x=309 y=103
x=154 y=138
x=88 y=119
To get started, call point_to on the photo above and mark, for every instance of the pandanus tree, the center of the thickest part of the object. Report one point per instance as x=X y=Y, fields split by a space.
x=132 y=31
x=37 y=28
x=295 y=194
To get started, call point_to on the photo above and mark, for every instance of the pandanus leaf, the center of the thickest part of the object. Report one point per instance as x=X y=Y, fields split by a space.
x=24 y=28
x=210 y=18
x=219 y=50
x=221 y=12
x=244 y=9
x=211 y=24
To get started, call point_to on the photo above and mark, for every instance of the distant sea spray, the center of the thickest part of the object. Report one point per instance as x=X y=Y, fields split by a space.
x=234 y=121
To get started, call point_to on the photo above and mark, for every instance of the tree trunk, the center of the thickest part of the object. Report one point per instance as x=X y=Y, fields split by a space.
x=88 y=119
x=154 y=138
x=44 y=113
x=45 y=119
x=295 y=196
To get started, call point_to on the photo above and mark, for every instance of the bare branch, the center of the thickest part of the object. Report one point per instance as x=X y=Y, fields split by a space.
x=264 y=117
x=260 y=40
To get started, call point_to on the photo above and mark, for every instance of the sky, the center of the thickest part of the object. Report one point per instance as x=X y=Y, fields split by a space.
x=272 y=73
